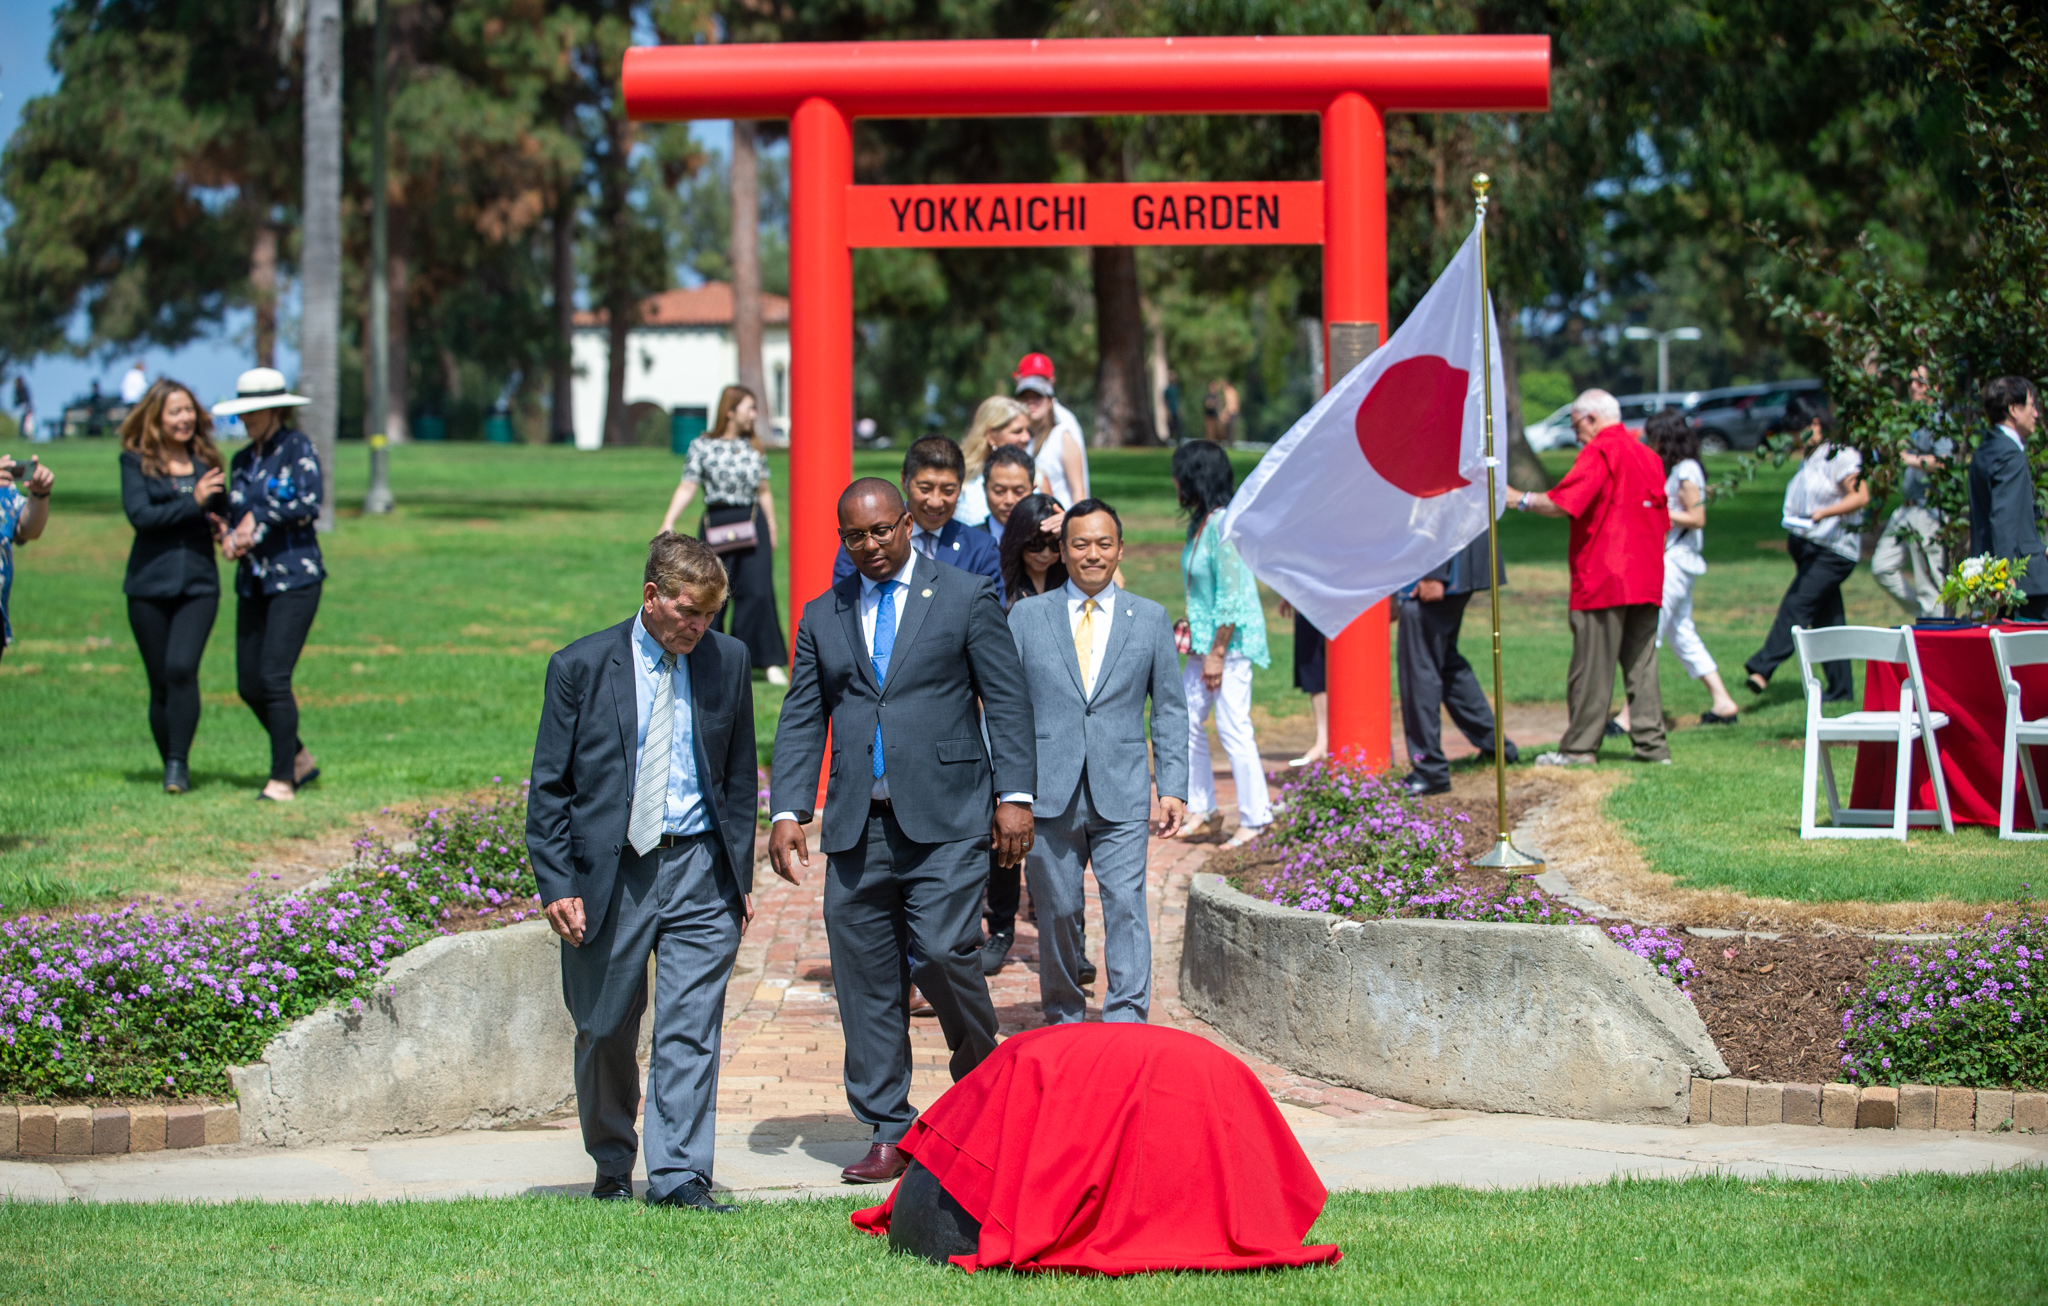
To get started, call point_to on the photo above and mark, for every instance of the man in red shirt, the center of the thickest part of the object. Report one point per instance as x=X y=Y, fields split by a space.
x=1614 y=495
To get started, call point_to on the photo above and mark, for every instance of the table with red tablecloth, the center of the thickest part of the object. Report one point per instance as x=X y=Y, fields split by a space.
x=1962 y=680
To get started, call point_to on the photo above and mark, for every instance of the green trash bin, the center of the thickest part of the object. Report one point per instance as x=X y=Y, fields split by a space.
x=429 y=426
x=685 y=425
x=498 y=429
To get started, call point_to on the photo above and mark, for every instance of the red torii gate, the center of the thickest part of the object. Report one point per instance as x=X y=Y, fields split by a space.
x=1351 y=83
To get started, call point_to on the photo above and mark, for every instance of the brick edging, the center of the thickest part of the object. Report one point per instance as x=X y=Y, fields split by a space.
x=42 y=1130
x=1846 y=1106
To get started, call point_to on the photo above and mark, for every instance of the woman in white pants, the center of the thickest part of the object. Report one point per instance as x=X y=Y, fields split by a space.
x=1227 y=638
x=1685 y=496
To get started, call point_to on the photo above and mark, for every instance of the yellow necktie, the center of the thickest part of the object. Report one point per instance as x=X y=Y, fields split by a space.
x=1084 y=636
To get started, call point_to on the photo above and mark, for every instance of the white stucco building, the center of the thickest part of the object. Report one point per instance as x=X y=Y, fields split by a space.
x=679 y=357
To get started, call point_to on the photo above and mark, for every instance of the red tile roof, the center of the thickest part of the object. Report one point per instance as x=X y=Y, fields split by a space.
x=708 y=305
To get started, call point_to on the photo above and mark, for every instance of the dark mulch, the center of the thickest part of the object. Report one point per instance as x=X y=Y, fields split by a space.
x=1774 y=1006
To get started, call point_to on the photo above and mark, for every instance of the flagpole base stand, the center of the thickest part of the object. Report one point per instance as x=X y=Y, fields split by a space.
x=1504 y=856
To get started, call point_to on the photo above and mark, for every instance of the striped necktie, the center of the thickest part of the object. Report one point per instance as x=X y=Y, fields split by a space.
x=650 y=794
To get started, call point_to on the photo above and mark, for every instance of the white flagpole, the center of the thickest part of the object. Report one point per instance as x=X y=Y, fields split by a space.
x=1503 y=856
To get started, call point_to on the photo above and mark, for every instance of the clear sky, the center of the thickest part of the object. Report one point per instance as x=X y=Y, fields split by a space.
x=209 y=366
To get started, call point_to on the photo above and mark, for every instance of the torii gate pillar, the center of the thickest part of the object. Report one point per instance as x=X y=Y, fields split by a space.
x=1351 y=82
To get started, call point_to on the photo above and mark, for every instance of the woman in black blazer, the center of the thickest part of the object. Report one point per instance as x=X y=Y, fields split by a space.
x=172 y=482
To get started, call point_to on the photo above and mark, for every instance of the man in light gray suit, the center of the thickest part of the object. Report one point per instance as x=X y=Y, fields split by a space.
x=640 y=824
x=1092 y=655
x=892 y=660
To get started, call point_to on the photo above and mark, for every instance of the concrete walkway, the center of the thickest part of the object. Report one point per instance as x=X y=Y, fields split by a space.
x=784 y=1130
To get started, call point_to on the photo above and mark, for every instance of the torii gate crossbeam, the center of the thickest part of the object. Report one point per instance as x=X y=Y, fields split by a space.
x=1351 y=83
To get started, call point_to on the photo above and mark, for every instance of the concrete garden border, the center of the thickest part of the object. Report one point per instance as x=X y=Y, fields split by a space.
x=1550 y=1019
x=466 y=1031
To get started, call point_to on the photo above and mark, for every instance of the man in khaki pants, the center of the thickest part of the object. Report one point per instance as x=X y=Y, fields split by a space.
x=1614 y=495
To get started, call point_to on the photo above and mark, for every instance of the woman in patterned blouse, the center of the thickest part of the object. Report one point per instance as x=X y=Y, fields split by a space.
x=274 y=493
x=728 y=463
x=1227 y=637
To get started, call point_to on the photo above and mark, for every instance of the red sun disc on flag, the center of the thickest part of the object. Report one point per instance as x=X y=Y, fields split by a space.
x=1411 y=425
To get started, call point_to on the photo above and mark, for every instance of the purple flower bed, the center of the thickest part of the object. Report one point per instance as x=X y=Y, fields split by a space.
x=1659 y=947
x=1353 y=842
x=157 y=999
x=1966 y=1011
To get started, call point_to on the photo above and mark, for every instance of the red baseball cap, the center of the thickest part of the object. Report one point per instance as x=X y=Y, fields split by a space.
x=1033 y=365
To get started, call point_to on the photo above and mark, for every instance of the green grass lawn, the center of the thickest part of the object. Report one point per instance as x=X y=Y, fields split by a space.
x=1933 y=1238
x=422 y=676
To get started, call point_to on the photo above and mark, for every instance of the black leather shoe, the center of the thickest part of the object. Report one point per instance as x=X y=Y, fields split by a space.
x=695 y=1196
x=613 y=1188
x=995 y=950
x=1422 y=788
x=1514 y=754
x=177 y=778
x=1087 y=975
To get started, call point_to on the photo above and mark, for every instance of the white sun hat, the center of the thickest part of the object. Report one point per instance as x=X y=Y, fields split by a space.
x=259 y=387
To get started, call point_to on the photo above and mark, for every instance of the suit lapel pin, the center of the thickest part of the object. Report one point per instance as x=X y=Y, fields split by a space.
x=927 y=593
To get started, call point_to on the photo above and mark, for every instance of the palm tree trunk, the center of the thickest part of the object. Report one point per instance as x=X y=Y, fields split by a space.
x=320 y=259
x=562 y=417
x=398 y=274
x=1525 y=471
x=1123 y=401
x=263 y=285
x=746 y=269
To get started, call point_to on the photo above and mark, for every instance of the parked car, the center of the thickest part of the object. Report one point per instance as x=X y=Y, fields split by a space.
x=1555 y=431
x=1739 y=416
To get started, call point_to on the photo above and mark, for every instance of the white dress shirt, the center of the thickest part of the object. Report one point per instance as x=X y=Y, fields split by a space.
x=870 y=606
x=2014 y=436
x=1105 y=610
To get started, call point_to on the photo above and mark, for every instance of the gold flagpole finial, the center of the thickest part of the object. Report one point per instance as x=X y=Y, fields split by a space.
x=1480 y=181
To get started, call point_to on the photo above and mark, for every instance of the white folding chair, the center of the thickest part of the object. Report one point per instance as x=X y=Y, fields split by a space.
x=1914 y=721
x=2019 y=648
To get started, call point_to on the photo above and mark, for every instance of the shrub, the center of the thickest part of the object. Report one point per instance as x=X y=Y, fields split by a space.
x=150 y=1001
x=1355 y=843
x=1964 y=1012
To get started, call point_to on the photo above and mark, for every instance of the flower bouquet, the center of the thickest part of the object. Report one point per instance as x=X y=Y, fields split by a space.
x=1983 y=587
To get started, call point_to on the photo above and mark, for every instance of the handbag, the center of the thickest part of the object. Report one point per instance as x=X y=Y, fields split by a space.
x=732 y=537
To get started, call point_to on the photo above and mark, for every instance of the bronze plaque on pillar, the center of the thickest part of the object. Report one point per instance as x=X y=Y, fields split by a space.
x=1351 y=343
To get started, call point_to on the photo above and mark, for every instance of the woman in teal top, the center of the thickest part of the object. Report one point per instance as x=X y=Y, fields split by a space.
x=1227 y=628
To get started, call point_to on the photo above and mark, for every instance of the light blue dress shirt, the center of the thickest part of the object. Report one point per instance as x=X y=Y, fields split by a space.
x=685 y=812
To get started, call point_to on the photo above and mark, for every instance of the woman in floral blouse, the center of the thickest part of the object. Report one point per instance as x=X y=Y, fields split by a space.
x=274 y=492
x=733 y=472
x=1227 y=638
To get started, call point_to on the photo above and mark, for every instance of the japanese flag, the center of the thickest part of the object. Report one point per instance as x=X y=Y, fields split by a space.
x=1384 y=479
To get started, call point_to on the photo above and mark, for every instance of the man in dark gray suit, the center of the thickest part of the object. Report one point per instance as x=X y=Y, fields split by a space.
x=2004 y=519
x=640 y=824
x=1093 y=654
x=892 y=659
x=1435 y=675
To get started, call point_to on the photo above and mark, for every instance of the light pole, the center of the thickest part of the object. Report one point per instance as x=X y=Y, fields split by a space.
x=1663 y=339
x=378 y=498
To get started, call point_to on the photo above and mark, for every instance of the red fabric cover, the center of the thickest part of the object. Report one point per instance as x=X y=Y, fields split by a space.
x=1117 y=1149
x=1962 y=680
x=1614 y=494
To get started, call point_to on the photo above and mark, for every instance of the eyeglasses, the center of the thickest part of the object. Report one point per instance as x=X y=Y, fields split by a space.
x=877 y=534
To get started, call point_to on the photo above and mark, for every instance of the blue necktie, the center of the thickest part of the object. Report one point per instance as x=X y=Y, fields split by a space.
x=885 y=644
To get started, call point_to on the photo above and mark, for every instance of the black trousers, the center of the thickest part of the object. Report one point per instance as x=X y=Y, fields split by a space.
x=1005 y=893
x=1814 y=599
x=269 y=634
x=883 y=897
x=172 y=635
x=1435 y=676
x=750 y=596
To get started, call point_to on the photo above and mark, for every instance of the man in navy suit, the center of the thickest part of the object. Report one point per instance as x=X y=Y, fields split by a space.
x=933 y=472
x=2003 y=519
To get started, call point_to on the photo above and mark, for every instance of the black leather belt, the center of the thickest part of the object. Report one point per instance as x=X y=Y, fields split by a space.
x=879 y=807
x=672 y=840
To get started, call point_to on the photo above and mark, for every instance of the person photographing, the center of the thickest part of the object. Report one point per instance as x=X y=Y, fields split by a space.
x=24 y=512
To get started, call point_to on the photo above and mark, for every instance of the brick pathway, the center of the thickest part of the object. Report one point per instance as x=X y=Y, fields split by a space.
x=782 y=1046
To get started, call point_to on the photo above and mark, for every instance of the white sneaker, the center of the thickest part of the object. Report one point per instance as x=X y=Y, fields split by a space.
x=1566 y=759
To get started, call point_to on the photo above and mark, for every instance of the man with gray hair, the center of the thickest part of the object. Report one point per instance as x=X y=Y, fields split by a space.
x=1614 y=496
x=640 y=824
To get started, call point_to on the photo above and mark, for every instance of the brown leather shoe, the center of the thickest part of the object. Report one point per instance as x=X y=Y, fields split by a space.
x=884 y=1161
